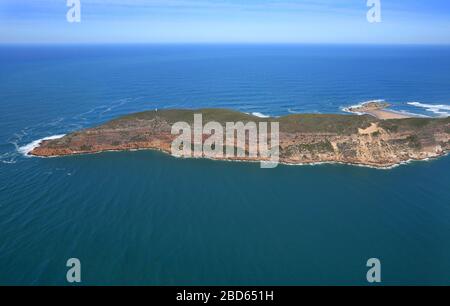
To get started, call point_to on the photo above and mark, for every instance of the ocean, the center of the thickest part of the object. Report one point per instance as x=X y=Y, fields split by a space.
x=145 y=218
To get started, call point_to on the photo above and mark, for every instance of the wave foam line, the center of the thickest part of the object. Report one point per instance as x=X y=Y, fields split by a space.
x=438 y=109
x=347 y=109
x=26 y=149
x=260 y=115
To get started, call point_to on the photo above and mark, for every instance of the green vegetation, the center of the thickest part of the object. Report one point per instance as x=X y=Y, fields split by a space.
x=187 y=115
x=408 y=124
x=306 y=123
x=324 y=123
x=317 y=147
x=376 y=134
x=414 y=142
x=85 y=147
x=296 y=123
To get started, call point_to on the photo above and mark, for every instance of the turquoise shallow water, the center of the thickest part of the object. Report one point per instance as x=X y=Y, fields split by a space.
x=147 y=218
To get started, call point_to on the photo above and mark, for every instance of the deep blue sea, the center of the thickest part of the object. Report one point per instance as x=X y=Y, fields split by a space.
x=147 y=218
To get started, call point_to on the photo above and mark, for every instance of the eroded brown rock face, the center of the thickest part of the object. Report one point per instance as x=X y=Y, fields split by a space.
x=303 y=138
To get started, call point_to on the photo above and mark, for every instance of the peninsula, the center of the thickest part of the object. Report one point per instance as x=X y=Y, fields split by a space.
x=303 y=138
x=377 y=108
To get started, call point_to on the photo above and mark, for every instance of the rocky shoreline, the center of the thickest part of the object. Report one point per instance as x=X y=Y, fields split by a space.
x=304 y=138
x=378 y=109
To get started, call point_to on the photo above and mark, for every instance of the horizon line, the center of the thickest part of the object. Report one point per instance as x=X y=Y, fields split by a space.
x=218 y=43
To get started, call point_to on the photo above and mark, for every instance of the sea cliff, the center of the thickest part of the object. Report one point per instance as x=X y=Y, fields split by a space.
x=303 y=138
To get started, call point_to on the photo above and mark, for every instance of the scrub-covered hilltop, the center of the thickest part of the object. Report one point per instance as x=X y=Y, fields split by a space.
x=304 y=138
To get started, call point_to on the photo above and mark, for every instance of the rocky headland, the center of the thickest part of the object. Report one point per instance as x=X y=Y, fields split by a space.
x=303 y=138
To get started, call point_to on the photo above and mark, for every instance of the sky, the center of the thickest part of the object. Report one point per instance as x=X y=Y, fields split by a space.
x=226 y=21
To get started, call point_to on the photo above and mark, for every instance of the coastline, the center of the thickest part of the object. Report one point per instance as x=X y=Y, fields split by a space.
x=378 y=109
x=240 y=160
x=305 y=139
x=25 y=150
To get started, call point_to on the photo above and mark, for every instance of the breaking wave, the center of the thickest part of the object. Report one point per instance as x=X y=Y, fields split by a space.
x=440 y=109
x=26 y=149
x=347 y=109
x=260 y=115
